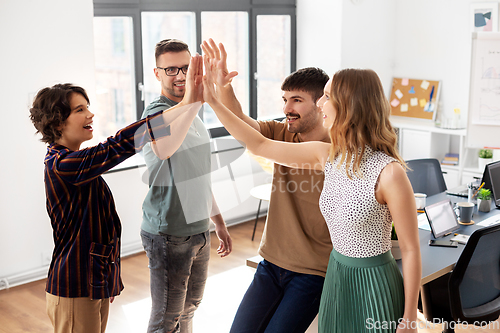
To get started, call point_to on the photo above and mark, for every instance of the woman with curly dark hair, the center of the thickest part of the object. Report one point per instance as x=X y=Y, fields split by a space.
x=84 y=274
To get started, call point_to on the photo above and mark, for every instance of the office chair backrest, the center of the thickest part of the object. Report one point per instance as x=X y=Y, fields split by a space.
x=426 y=176
x=474 y=285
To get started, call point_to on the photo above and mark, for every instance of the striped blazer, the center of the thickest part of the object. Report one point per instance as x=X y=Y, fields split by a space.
x=86 y=227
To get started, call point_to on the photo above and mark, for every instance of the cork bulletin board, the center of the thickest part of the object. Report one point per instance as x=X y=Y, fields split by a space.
x=414 y=98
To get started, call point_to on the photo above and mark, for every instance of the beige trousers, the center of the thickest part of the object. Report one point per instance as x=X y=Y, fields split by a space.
x=77 y=315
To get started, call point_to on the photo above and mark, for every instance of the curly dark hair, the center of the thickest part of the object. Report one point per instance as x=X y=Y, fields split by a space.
x=309 y=79
x=51 y=108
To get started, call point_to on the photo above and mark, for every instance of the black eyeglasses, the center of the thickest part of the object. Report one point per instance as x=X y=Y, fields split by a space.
x=173 y=71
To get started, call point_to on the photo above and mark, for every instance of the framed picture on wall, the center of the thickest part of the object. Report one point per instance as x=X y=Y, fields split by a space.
x=484 y=16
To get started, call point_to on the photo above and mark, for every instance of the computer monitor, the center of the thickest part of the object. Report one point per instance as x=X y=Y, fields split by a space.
x=491 y=179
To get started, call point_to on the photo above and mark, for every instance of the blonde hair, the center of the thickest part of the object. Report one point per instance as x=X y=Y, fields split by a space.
x=362 y=118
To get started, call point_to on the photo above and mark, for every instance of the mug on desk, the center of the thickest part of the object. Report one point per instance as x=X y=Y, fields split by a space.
x=465 y=211
x=420 y=199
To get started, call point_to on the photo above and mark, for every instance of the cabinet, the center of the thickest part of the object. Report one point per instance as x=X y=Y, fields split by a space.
x=422 y=139
x=416 y=144
x=419 y=138
x=451 y=176
x=471 y=169
x=469 y=176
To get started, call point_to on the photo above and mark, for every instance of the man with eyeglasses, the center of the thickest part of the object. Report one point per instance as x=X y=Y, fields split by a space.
x=178 y=206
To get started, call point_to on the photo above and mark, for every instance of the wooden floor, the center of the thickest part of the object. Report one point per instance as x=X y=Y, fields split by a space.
x=22 y=309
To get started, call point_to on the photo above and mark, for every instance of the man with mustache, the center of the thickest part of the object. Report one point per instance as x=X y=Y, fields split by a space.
x=286 y=290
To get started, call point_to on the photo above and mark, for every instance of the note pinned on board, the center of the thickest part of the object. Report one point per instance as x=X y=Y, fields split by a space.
x=413 y=94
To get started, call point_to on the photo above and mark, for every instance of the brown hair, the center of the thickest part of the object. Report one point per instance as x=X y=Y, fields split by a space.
x=170 y=45
x=51 y=108
x=362 y=118
x=310 y=79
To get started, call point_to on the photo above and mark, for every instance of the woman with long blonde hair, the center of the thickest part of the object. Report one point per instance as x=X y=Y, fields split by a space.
x=366 y=190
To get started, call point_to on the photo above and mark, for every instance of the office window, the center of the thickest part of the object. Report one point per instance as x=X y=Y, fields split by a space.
x=118 y=36
x=259 y=37
x=119 y=107
x=231 y=29
x=114 y=106
x=273 y=63
x=157 y=26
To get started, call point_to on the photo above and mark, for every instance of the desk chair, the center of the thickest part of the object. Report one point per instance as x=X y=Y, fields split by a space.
x=473 y=287
x=261 y=192
x=426 y=176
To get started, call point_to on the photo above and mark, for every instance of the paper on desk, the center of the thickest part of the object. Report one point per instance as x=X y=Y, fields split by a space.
x=490 y=221
x=462 y=239
x=423 y=223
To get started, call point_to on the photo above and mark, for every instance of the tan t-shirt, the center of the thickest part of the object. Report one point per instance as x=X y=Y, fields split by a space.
x=296 y=236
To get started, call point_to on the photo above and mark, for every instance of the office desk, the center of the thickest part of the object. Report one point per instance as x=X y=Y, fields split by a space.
x=437 y=261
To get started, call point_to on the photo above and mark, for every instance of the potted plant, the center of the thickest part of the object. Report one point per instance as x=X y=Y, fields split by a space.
x=395 y=250
x=485 y=157
x=484 y=200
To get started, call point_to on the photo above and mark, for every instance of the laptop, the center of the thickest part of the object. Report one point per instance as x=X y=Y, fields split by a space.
x=442 y=218
x=491 y=179
x=491 y=172
x=460 y=191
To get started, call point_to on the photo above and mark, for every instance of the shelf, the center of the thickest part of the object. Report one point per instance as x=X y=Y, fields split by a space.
x=424 y=125
x=473 y=170
x=420 y=138
x=449 y=167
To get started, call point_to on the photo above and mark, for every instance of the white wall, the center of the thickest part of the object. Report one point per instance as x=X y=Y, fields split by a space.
x=319 y=24
x=43 y=43
x=341 y=34
x=433 y=40
x=368 y=31
x=424 y=39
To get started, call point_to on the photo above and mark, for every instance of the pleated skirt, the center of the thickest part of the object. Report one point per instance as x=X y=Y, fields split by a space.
x=361 y=295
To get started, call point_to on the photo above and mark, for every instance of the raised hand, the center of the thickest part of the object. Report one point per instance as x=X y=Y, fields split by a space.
x=209 y=94
x=180 y=117
x=194 y=81
x=217 y=56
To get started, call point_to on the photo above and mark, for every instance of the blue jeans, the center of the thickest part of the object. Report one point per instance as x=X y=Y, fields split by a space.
x=278 y=300
x=178 y=269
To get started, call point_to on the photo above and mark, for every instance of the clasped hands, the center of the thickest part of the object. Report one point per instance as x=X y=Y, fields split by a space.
x=200 y=87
